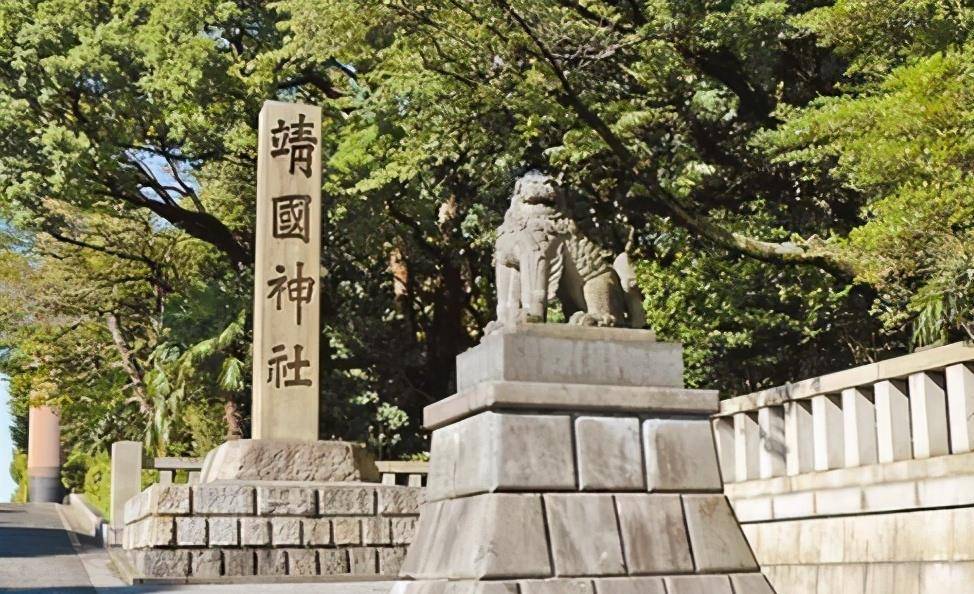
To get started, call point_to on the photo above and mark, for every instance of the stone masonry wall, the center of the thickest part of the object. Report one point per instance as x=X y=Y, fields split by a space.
x=232 y=529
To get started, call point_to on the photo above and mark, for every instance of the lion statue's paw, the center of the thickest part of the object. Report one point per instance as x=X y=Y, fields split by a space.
x=581 y=318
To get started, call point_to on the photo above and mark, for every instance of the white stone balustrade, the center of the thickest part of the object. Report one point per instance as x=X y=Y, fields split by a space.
x=916 y=406
x=960 y=407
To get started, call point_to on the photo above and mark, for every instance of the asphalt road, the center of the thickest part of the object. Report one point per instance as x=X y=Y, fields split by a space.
x=37 y=556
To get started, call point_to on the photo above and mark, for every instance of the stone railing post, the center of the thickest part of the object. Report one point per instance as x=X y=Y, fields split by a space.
x=859 y=424
x=745 y=446
x=126 y=482
x=960 y=405
x=893 y=434
x=799 y=442
x=724 y=435
x=928 y=411
x=828 y=425
x=771 y=451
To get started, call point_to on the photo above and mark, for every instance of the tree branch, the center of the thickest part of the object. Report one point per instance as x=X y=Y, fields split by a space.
x=780 y=253
x=130 y=366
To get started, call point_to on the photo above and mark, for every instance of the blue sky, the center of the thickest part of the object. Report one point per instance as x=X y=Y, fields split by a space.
x=6 y=444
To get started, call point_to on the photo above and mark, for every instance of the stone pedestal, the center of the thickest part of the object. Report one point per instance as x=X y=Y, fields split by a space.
x=274 y=508
x=289 y=460
x=543 y=482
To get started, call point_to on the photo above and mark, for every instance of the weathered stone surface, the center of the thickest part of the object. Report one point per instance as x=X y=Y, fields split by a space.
x=333 y=561
x=715 y=536
x=928 y=411
x=154 y=531
x=136 y=508
x=206 y=563
x=346 y=531
x=538 y=396
x=401 y=501
x=289 y=460
x=403 y=530
x=771 y=441
x=572 y=355
x=391 y=559
x=302 y=562
x=680 y=455
x=828 y=427
x=169 y=500
x=751 y=583
x=363 y=561
x=556 y=586
x=893 y=433
x=161 y=562
x=126 y=483
x=283 y=409
x=653 y=534
x=540 y=251
x=473 y=537
x=223 y=499
x=747 y=452
x=376 y=531
x=285 y=531
x=271 y=561
x=698 y=584
x=316 y=532
x=457 y=587
x=631 y=585
x=346 y=501
x=238 y=562
x=799 y=433
x=223 y=532
x=609 y=456
x=859 y=424
x=960 y=406
x=584 y=536
x=500 y=452
x=285 y=501
x=255 y=532
x=191 y=532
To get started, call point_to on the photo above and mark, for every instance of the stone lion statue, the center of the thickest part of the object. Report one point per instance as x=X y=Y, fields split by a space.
x=541 y=254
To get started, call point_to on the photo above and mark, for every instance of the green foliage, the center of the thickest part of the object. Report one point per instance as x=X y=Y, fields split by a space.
x=18 y=471
x=97 y=487
x=792 y=176
x=905 y=144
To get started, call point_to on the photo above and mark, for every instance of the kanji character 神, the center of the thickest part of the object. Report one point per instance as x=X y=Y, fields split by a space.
x=297 y=290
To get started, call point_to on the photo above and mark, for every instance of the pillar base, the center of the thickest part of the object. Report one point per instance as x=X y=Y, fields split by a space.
x=44 y=489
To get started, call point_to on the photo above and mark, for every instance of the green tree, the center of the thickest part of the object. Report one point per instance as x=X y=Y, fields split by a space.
x=793 y=178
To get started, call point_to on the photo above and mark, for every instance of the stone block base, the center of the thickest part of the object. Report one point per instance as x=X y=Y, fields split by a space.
x=540 y=487
x=229 y=528
x=744 y=583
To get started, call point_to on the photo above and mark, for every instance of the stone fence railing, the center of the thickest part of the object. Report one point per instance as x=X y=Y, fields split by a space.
x=855 y=480
x=912 y=407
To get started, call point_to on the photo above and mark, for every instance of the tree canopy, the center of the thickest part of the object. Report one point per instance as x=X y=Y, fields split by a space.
x=793 y=179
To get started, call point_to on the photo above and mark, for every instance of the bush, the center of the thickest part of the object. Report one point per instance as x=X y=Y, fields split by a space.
x=18 y=470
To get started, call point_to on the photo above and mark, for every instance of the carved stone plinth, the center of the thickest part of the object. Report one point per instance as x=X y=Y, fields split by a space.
x=539 y=486
x=289 y=460
x=274 y=507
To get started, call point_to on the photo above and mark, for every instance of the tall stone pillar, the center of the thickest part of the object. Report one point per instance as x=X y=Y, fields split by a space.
x=44 y=455
x=286 y=272
x=573 y=460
